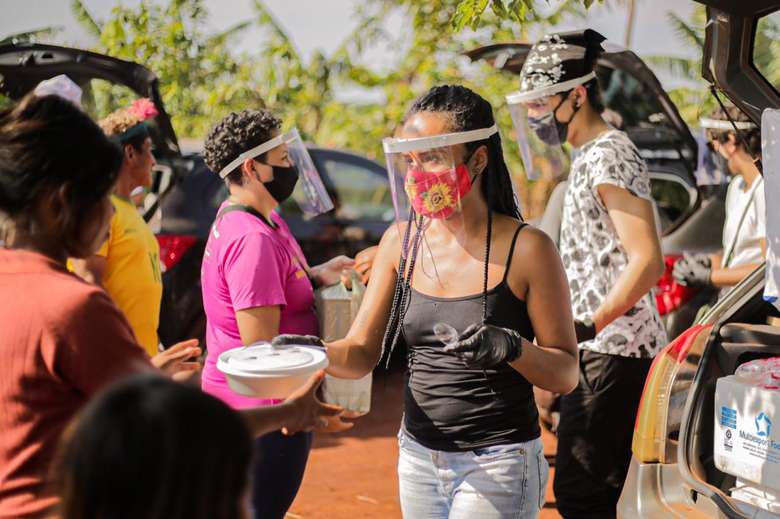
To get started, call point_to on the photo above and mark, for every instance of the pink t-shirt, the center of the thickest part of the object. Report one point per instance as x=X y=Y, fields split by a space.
x=248 y=264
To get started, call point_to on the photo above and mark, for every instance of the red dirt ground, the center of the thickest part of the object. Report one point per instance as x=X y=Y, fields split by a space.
x=353 y=475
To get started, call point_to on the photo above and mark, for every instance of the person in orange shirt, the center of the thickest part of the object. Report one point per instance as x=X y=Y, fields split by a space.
x=128 y=263
x=64 y=340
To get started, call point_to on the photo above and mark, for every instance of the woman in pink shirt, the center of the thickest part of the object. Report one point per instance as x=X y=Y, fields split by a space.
x=255 y=279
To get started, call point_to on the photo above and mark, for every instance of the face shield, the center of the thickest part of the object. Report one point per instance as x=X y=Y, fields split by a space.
x=293 y=166
x=428 y=180
x=540 y=136
x=717 y=134
x=711 y=168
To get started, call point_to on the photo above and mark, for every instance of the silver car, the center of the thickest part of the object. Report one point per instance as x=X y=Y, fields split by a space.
x=673 y=471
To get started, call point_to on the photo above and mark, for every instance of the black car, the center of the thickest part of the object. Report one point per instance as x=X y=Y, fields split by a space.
x=690 y=217
x=185 y=194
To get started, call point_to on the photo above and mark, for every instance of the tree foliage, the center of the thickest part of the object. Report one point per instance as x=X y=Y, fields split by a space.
x=471 y=13
x=202 y=78
x=695 y=101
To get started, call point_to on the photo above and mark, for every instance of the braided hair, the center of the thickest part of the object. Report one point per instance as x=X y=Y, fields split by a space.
x=468 y=111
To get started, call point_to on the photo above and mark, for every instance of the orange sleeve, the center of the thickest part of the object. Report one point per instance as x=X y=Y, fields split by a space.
x=96 y=345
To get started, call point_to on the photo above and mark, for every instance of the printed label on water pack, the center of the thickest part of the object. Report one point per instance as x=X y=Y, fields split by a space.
x=746 y=444
x=728 y=417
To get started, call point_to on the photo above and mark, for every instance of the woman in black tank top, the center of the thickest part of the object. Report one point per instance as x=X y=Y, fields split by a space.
x=469 y=441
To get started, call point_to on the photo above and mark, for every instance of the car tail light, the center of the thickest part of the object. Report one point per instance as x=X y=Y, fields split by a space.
x=663 y=397
x=173 y=247
x=670 y=295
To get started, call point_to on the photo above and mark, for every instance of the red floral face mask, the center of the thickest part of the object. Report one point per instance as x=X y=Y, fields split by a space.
x=437 y=194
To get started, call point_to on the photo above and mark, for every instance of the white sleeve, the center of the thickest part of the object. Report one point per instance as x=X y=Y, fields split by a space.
x=759 y=210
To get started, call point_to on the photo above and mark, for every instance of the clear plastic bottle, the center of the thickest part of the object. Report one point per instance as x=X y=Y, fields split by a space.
x=446 y=334
x=771 y=379
x=752 y=372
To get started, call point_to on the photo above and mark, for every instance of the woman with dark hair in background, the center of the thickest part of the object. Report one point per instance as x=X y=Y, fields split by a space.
x=744 y=231
x=64 y=339
x=467 y=286
x=149 y=448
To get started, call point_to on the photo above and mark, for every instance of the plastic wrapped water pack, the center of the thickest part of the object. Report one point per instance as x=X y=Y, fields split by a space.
x=746 y=441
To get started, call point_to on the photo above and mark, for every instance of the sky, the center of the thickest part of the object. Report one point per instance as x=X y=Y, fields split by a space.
x=322 y=24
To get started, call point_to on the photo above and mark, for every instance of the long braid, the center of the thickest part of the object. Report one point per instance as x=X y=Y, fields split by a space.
x=405 y=282
x=390 y=337
x=487 y=264
x=406 y=297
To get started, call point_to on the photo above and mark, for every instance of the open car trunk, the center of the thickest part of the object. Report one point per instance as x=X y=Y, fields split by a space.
x=107 y=84
x=740 y=334
x=745 y=326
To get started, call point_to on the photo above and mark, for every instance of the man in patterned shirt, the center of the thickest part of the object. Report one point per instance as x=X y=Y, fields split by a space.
x=612 y=255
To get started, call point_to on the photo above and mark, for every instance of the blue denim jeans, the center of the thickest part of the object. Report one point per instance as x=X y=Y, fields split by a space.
x=500 y=482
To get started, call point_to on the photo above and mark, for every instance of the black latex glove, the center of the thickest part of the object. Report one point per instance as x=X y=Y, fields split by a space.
x=586 y=331
x=298 y=340
x=485 y=346
x=693 y=270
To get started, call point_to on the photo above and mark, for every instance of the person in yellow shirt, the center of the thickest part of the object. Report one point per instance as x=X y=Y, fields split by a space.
x=128 y=263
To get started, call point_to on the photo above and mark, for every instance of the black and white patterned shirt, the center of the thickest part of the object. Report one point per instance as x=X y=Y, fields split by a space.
x=591 y=250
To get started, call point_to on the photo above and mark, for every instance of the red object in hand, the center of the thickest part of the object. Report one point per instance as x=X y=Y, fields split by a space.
x=670 y=295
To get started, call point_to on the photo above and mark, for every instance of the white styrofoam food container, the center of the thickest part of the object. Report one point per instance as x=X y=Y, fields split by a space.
x=265 y=371
x=747 y=440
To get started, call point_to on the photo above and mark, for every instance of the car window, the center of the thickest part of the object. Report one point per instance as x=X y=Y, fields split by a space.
x=360 y=192
x=672 y=198
x=635 y=104
x=99 y=97
x=766 y=48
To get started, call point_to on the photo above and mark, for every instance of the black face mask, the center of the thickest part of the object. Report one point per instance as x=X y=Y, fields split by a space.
x=549 y=129
x=283 y=184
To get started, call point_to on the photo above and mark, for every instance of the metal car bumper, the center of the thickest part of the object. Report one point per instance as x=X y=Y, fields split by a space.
x=655 y=490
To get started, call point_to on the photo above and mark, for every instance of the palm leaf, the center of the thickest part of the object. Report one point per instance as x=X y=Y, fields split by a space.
x=686 y=31
x=266 y=19
x=222 y=37
x=677 y=66
x=85 y=19
x=30 y=36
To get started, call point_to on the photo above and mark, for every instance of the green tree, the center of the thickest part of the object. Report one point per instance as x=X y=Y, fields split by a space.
x=695 y=101
x=433 y=55
x=202 y=79
x=472 y=13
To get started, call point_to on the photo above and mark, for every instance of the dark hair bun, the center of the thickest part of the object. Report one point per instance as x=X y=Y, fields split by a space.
x=48 y=142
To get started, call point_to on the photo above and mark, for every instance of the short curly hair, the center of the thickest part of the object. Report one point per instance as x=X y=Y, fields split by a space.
x=235 y=134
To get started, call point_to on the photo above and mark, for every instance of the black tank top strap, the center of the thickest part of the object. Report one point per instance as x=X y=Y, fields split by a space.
x=512 y=250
